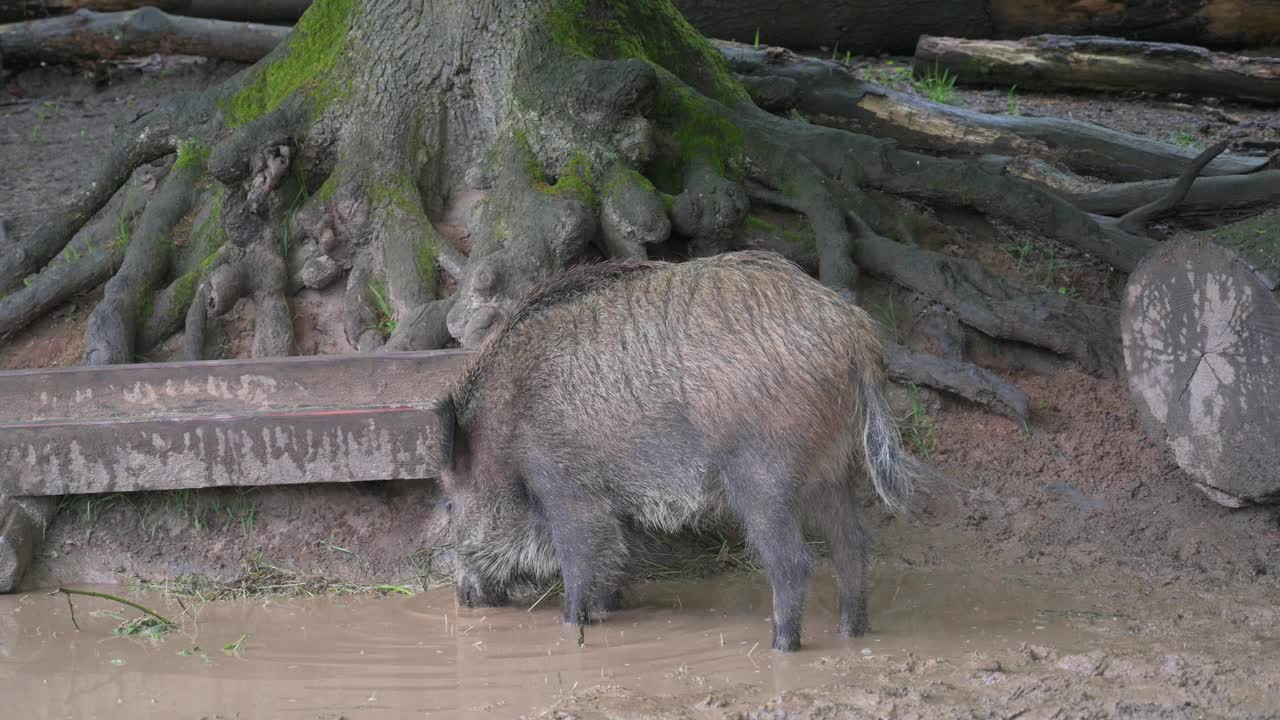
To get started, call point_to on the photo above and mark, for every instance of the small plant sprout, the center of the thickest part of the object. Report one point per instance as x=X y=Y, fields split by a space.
x=937 y=84
x=1013 y=101
x=923 y=430
x=757 y=42
x=1185 y=139
x=387 y=324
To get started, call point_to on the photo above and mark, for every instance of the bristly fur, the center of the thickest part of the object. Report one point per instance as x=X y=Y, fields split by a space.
x=653 y=394
x=565 y=286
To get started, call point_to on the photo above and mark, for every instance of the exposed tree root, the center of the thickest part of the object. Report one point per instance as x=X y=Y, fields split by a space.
x=425 y=327
x=827 y=93
x=958 y=378
x=996 y=306
x=91 y=257
x=113 y=325
x=145 y=139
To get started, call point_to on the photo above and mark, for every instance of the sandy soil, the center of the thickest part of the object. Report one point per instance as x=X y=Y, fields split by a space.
x=1080 y=501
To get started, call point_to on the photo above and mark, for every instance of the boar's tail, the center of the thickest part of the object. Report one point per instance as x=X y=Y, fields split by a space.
x=893 y=470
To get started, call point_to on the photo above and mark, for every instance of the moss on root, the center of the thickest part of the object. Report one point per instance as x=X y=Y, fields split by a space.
x=697 y=131
x=653 y=31
x=397 y=191
x=329 y=187
x=193 y=154
x=309 y=64
x=575 y=182
x=426 y=253
x=627 y=176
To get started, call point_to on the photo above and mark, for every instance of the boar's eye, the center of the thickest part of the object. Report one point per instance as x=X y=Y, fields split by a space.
x=448 y=506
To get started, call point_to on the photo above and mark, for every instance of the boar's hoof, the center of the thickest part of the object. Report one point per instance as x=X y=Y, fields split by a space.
x=854 y=627
x=609 y=601
x=786 y=643
x=472 y=593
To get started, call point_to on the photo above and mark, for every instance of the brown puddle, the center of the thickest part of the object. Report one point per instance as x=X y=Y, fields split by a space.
x=419 y=656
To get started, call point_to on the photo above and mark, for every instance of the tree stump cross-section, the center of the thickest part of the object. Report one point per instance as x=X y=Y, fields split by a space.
x=1201 y=332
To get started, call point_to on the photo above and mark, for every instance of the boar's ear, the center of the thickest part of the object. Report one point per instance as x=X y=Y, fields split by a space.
x=447 y=428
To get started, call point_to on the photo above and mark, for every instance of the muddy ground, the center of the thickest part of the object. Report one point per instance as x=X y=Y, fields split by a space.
x=1066 y=569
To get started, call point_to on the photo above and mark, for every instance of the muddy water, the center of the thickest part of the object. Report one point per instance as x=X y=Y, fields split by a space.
x=421 y=656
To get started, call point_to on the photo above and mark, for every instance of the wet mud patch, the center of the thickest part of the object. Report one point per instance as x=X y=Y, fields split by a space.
x=987 y=639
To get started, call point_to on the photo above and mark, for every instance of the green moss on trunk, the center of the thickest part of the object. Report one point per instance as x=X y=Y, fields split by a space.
x=308 y=64
x=650 y=30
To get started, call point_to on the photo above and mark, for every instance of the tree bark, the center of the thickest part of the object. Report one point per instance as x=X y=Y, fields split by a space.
x=1201 y=331
x=87 y=35
x=1054 y=62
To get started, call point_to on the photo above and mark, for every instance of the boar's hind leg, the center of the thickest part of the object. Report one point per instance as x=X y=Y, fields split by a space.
x=767 y=509
x=836 y=516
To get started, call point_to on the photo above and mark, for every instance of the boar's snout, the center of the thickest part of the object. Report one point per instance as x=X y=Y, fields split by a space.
x=474 y=592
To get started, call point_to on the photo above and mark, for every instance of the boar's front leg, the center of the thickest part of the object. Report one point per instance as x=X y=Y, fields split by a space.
x=590 y=546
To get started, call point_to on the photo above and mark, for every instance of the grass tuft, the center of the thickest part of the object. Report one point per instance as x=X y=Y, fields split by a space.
x=937 y=84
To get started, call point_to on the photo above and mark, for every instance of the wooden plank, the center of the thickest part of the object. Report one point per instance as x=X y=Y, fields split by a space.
x=163 y=426
x=211 y=386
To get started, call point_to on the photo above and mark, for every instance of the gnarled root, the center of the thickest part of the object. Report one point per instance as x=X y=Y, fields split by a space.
x=113 y=325
x=92 y=256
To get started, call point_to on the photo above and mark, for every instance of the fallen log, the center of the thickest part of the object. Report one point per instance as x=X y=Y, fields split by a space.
x=873 y=26
x=828 y=93
x=88 y=35
x=1200 y=325
x=284 y=12
x=1211 y=23
x=1208 y=196
x=1056 y=62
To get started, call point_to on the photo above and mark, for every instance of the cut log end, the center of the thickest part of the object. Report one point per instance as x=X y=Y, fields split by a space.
x=1201 y=336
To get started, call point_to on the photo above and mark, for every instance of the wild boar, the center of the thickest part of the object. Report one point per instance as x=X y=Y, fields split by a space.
x=653 y=395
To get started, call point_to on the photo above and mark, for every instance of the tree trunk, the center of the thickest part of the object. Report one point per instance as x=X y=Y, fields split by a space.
x=1054 y=62
x=87 y=35
x=1201 y=332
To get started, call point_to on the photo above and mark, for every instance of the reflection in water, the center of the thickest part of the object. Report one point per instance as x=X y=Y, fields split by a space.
x=422 y=656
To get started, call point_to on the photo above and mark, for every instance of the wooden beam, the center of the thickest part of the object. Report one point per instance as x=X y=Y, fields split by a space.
x=161 y=426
